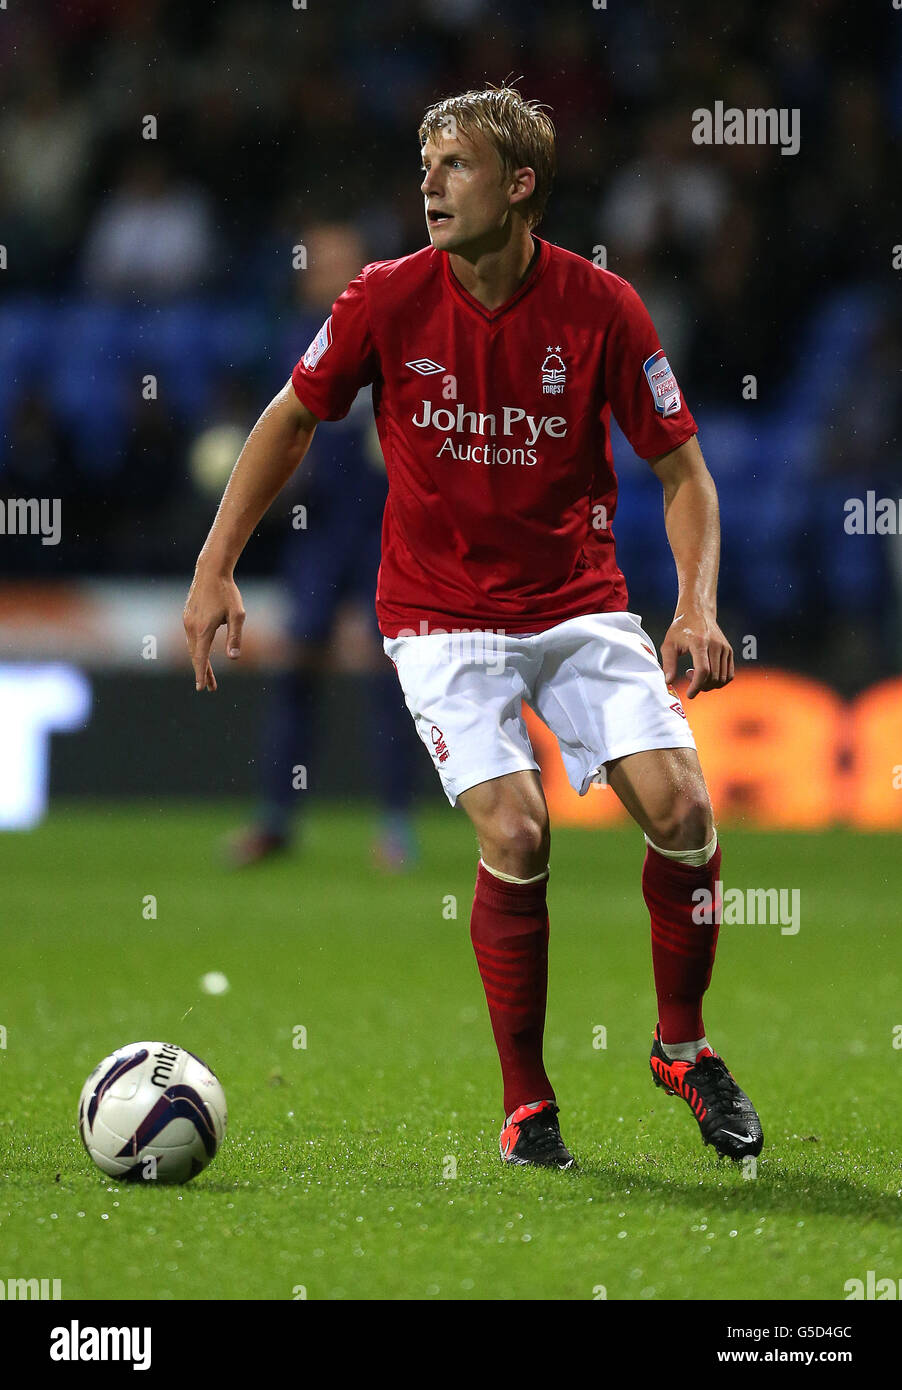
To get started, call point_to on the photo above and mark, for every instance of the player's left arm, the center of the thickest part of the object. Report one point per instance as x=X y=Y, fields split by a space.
x=692 y=519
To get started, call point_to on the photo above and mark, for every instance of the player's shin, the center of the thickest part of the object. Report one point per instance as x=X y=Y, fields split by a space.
x=509 y=931
x=683 y=902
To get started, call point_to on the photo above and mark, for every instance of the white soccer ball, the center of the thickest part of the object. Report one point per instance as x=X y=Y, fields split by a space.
x=152 y=1112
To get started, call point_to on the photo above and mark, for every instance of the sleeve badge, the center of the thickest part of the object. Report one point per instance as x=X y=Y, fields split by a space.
x=662 y=384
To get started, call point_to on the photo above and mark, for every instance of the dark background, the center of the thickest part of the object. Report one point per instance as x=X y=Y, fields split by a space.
x=173 y=256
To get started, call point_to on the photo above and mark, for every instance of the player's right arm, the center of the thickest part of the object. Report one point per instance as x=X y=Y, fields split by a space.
x=274 y=448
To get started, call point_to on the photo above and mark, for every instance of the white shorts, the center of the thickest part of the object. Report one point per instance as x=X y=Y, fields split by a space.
x=594 y=681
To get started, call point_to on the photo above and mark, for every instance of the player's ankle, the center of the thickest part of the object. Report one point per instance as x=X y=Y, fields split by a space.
x=685 y=1051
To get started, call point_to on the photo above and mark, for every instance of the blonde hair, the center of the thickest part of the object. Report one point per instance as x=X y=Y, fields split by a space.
x=520 y=132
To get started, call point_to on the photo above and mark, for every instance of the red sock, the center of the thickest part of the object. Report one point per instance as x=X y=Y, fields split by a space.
x=682 y=950
x=509 y=931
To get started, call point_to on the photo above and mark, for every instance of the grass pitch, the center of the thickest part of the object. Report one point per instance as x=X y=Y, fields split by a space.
x=365 y=1164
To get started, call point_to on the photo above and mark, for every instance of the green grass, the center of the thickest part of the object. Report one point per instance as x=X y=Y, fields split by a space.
x=333 y=1171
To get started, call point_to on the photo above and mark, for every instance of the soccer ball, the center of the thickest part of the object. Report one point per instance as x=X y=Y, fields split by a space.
x=152 y=1112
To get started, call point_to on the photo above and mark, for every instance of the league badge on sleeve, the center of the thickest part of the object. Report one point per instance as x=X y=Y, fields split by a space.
x=321 y=342
x=662 y=384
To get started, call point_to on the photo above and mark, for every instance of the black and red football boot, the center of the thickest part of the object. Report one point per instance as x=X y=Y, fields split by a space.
x=532 y=1137
x=725 y=1115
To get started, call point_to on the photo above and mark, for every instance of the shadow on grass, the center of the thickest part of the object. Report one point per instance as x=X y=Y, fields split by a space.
x=778 y=1188
x=714 y=1184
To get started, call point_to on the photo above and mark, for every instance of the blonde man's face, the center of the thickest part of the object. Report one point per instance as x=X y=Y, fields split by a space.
x=467 y=198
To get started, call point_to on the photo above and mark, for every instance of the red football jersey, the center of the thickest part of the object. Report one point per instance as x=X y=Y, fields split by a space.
x=495 y=430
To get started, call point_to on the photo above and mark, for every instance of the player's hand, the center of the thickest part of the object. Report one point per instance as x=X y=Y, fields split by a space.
x=213 y=600
x=712 y=656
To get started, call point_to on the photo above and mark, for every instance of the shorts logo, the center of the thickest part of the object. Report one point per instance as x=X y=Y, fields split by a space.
x=554 y=372
x=321 y=343
x=676 y=706
x=662 y=384
x=438 y=743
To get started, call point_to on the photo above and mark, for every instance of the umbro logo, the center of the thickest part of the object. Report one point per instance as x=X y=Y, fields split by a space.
x=425 y=366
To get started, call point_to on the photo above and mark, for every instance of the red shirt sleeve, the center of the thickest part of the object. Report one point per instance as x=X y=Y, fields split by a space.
x=639 y=383
x=341 y=359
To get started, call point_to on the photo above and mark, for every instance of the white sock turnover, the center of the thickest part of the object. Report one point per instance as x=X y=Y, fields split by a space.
x=509 y=878
x=686 y=1051
x=695 y=858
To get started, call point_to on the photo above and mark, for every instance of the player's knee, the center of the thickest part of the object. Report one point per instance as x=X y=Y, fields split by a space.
x=688 y=822
x=517 y=843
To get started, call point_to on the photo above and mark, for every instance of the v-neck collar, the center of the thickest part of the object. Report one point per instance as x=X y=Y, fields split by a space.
x=539 y=262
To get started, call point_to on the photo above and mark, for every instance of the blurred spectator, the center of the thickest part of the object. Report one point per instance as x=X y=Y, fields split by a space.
x=670 y=198
x=143 y=493
x=153 y=236
x=46 y=143
x=40 y=458
x=328 y=566
x=40 y=464
x=732 y=336
x=658 y=218
x=862 y=434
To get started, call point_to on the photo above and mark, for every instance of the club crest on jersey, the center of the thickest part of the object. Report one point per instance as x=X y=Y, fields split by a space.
x=662 y=383
x=321 y=343
x=554 y=372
